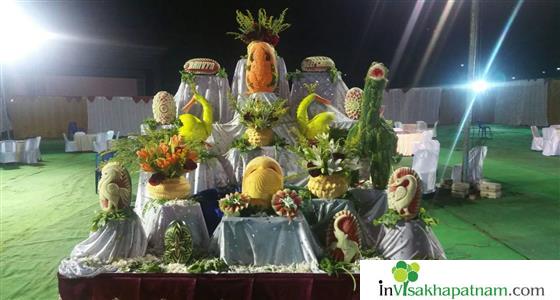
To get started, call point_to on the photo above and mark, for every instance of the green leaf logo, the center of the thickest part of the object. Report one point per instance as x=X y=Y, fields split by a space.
x=405 y=273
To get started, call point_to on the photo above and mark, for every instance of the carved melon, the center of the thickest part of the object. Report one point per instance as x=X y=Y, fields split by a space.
x=343 y=237
x=164 y=108
x=202 y=66
x=317 y=64
x=262 y=73
x=353 y=103
x=404 y=192
x=262 y=178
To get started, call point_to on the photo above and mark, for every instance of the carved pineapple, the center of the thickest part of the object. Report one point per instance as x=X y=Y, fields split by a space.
x=260 y=137
x=328 y=186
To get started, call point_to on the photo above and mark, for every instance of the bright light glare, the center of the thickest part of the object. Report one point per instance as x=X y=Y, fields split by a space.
x=479 y=86
x=19 y=35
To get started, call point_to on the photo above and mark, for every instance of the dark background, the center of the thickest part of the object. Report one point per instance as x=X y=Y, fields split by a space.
x=151 y=40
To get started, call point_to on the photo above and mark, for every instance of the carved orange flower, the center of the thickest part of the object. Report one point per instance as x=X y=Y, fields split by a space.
x=163 y=148
x=142 y=154
x=146 y=167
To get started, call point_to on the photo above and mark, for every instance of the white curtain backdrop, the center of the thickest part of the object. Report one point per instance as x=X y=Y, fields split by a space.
x=417 y=104
x=118 y=114
x=522 y=102
x=5 y=124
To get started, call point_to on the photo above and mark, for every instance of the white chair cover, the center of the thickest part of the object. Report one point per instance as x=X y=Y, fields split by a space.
x=551 y=145
x=69 y=146
x=110 y=134
x=476 y=163
x=425 y=163
x=538 y=141
x=100 y=143
x=31 y=153
x=8 y=152
x=434 y=130
x=215 y=89
x=398 y=124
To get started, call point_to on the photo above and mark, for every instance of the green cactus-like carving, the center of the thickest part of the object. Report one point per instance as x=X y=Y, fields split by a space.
x=372 y=136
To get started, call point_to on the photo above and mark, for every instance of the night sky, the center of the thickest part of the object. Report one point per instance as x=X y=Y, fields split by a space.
x=152 y=40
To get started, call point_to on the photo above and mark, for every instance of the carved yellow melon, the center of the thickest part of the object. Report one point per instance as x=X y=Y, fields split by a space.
x=262 y=73
x=262 y=178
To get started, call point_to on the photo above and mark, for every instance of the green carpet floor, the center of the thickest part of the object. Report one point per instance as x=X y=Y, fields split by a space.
x=46 y=209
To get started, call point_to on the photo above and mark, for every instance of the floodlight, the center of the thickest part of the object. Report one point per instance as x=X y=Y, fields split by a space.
x=19 y=35
x=479 y=86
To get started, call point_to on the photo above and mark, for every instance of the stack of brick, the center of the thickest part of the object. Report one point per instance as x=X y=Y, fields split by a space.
x=460 y=189
x=490 y=190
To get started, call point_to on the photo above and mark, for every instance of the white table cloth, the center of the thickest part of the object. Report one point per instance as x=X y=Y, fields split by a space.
x=406 y=142
x=19 y=156
x=551 y=141
x=84 y=141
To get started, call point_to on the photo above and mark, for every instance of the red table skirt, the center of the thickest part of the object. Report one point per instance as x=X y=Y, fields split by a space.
x=125 y=286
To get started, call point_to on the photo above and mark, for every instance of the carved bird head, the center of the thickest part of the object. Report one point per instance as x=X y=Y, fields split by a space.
x=404 y=192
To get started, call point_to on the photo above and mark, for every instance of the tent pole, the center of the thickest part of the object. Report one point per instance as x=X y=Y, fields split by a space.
x=473 y=37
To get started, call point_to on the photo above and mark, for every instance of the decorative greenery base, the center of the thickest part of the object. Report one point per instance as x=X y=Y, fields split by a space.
x=103 y=218
x=392 y=217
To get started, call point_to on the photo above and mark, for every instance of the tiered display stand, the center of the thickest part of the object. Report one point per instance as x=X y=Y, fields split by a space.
x=257 y=242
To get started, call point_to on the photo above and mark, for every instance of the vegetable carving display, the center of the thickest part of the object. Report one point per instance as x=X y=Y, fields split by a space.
x=259 y=117
x=164 y=108
x=201 y=66
x=168 y=161
x=320 y=123
x=343 y=237
x=329 y=164
x=193 y=128
x=178 y=243
x=353 y=103
x=262 y=178
x=372 y=136
x=404 y=192
x=262 y=72
x=114 y=187
x=317 y=64
x=286 y=203
x=233 y=204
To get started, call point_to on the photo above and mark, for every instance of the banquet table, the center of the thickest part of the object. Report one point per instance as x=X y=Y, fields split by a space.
x=209 y=286
x=20 y=147
x=85 y=142
x=406 y=142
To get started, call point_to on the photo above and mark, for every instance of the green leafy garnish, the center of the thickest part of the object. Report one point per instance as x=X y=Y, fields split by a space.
x=208 y=265
x=334 y=268
x=103 y=217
